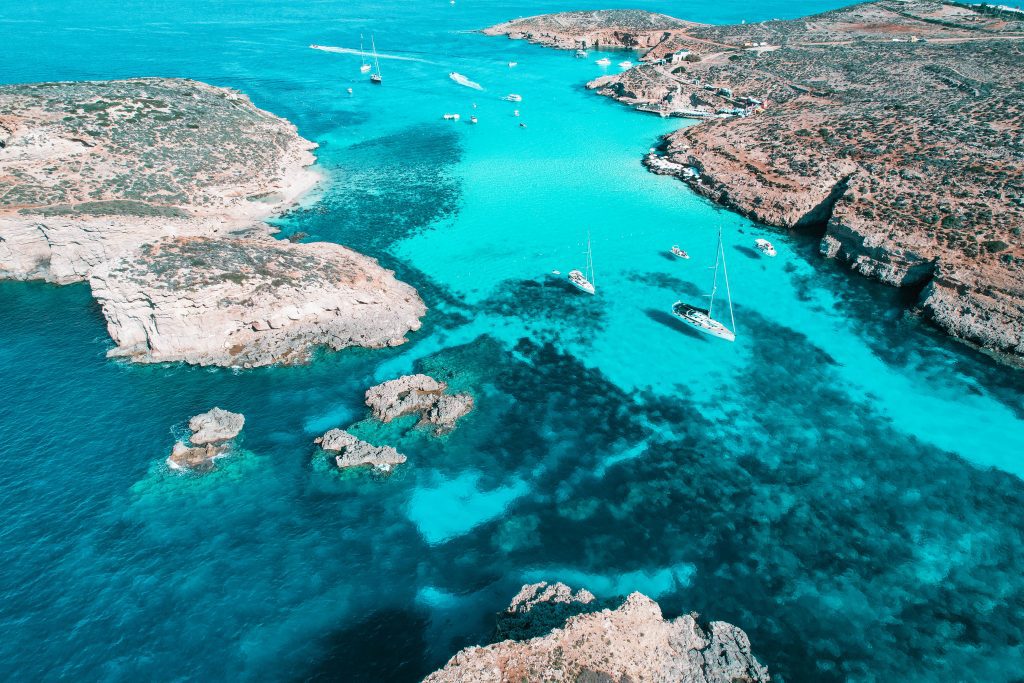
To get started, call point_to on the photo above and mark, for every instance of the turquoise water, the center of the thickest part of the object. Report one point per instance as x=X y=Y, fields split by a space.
x=842 y=482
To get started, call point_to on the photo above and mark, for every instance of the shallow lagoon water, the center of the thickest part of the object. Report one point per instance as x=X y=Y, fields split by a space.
x=842 y=482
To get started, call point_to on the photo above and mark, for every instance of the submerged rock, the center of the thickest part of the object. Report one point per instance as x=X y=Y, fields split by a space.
x=215 y=426
x=212 y=435
x=631 y=643
x=354 y=452
x=418 y=394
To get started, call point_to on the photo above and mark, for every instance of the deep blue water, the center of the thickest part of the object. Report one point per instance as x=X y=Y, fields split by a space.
x=842 y=482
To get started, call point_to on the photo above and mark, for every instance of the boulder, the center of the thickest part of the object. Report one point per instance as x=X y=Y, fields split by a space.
x=354 y=452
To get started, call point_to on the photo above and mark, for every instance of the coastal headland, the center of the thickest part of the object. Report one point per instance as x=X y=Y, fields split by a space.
x=891 y=130
x=155 y=191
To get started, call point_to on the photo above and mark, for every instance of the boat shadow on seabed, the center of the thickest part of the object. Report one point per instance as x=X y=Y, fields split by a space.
x=669 y=320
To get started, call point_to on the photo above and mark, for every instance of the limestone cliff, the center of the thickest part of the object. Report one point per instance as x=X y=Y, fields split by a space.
x=249 y=302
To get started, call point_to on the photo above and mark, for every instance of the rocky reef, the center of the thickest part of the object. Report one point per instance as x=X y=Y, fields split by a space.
x=354 y=452
x=249 y=302
x=212 y=436
x=155 y=191
x=418 y=394
x=632 y=642
x=889 y=128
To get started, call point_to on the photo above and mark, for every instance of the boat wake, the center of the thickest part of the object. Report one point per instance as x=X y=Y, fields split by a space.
x=462 y=80
x=353 y=51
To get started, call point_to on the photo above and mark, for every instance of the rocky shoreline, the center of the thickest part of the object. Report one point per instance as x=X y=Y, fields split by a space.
x=560 y=635
x=886 y=128
x=155 y=191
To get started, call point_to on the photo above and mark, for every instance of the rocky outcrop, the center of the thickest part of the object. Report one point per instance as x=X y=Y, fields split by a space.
x=249 y=302
x=630 y=643
x=212 y=436
x=354 y=452
x=95 y=169
x=904 y=154
x=630 y=29
x=215 y=426
x=418 y=394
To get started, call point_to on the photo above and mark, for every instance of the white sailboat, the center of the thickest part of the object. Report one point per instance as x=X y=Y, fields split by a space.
x=703 y=319
x=364 y=66
x=375 y=76
x=584 y=283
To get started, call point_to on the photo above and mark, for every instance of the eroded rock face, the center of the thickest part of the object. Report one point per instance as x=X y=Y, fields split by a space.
x=354 y=452
x=85 y=181
x=631 y=643
x=215 y=426
x=212 y=436
x=249 y=302
x=418 y=394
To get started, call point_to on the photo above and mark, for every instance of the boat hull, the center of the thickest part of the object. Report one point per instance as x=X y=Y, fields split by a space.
x=699 y=320
x=577 y=280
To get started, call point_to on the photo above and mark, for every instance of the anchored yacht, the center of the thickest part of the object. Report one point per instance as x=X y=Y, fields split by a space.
x=702 y=319
x=584 y=283
x=765 y=247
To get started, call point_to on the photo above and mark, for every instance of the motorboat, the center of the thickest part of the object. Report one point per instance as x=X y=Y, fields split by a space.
x=676 y=251
x=604 y=61
x=765 y=247
x=512 y=97
x=626 y=64
x=451 y=117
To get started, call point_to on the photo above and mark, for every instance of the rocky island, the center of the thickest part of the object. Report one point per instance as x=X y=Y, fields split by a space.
x=155 y=191
x=213 y=434
x=418 y=395
x=566 y=636
x=891 y=129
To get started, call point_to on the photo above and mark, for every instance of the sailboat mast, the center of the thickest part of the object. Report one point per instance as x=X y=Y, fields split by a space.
x=714 y=282
x=728 y=294
x=375 y=60
x=590 y=261
x=362 y=55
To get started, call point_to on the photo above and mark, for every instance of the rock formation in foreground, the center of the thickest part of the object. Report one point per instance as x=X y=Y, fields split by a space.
x=212 y=436
x=154 y=190
x=249 y=302
x=354 y=452
x=91 y=170
x=418 y=394
x=631 y=643
x=891 y=127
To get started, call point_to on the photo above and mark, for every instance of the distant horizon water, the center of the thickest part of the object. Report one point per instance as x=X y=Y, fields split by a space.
x=843 y=482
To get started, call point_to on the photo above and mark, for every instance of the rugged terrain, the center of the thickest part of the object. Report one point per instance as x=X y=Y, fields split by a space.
x=155 y=191
x=90 y=170
x=249 y=302
x=632 y=642
x=892 y=129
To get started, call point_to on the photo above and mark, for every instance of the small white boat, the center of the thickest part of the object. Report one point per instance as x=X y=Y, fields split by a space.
x=765 y=247
x=702 y=319
x=348 y=90
x=676 y=251
x=522 y=125
x=582 y=54
x=451 y=117
x=515 y=112
x=604 y=61
x=473 y=119
x=513 y=64
x=626 y=64
x=512 y=97
x=584 y=283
